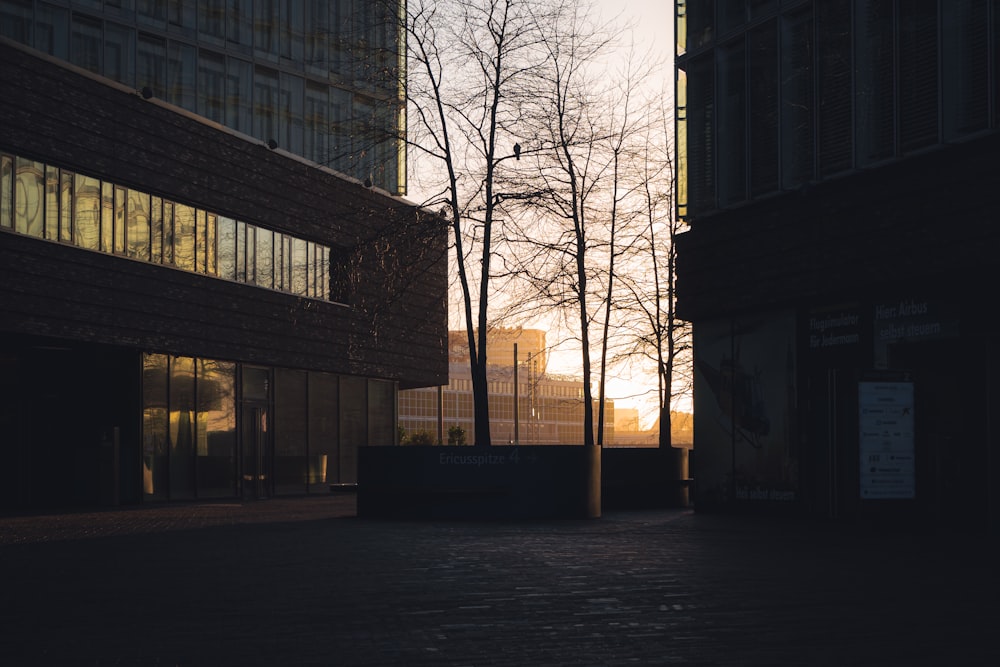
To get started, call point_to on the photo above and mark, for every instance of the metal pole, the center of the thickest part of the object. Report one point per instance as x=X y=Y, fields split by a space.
x=517 y=420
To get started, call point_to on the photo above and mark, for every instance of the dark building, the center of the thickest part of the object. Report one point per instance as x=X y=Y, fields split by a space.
x=188 y=311
x=839 y=173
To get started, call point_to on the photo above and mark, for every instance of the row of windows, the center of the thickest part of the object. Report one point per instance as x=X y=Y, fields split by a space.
x=699 y=21
x=293 y=431
x=289 y=99
x=50 y=203
x=831 y=86
x=539 y=388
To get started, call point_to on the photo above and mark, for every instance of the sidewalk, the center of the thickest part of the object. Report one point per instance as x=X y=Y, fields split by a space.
x=302 y=581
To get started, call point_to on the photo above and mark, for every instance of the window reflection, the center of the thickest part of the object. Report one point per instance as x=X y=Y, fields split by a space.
x=299 y=266
x=66 y=207
x=87 y=213
x=6 y=191
x=137 y=226
x=265 y=258
x=47 y=202
x=181 y=427
x=216 y=435
x=227 y=248
x=184 y=236
x=29 y=197
x=107 y=217
x=154 y=426
x=52 y=203
x=119 y=233
x=156 y=229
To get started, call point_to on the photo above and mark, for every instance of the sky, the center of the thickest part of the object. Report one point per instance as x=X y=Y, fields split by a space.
x=652 y=29
x=652 y=21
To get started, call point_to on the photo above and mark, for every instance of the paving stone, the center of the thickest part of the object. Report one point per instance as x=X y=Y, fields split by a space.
x=303 y=581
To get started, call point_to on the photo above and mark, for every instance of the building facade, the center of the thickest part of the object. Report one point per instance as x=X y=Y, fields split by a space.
x=188 y=310
x=837 y=174
x=320 y=79
x=549 y=408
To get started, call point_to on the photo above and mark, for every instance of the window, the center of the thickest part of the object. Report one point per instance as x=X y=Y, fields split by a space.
x=796 y=99
x=15 y=20
x=87 y=215
x=732 y=123
x=316 y=123
x=265 y=104
x=155 y=371
x=875 y=81
x=216 y=432
x=52 y=31
x=184 y=237
x=240 y=27
x=835 y=132
x=264 y=263
x=241 y=252
x=317 y=37
x=292 y=41
x=46 y=202
x=119 y=53
x=156 y=230
x=29 y=198
x=153 y=10
x=120 y=206
x=151 y=64
x=52 y=179
x=85 y=44
x=701 y=134
x=965 y=54
x=290 y=107
x=918 y=74
x=762 y=54
x=182 y=65
x=181 y=427
x=66 y=206
x=239 y=95
x=107 y=217
x=265 y=24
x=137 y=225
x=212 y=86
x=227 y=248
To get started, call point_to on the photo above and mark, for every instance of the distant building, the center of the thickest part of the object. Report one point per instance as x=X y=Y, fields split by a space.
x=191 y=302
x=629 y=434
x=838 y=172
x=550 y=407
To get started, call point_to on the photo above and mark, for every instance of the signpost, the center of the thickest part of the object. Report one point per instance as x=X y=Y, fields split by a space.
x=886 y=440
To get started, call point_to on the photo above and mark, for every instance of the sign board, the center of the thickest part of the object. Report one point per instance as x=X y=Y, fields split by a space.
x=886 y=440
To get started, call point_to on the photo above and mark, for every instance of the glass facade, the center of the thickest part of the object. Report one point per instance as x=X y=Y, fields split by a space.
x=298 y=430
x=257 y=66
x=773 y=96
x=50 y=203
x=550 y=409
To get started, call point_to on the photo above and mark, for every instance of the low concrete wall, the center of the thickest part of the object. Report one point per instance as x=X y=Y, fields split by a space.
x=645 y=477
x=501 y=482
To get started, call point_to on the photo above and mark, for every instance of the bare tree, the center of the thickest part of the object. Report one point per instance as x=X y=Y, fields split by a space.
x=661 y=337
x=468 y=60
x=586 y=126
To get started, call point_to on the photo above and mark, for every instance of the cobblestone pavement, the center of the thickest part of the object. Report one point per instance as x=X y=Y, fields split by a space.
x=303 y=581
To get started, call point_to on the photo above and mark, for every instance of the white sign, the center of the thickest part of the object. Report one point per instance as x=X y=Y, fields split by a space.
x=886 y=440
